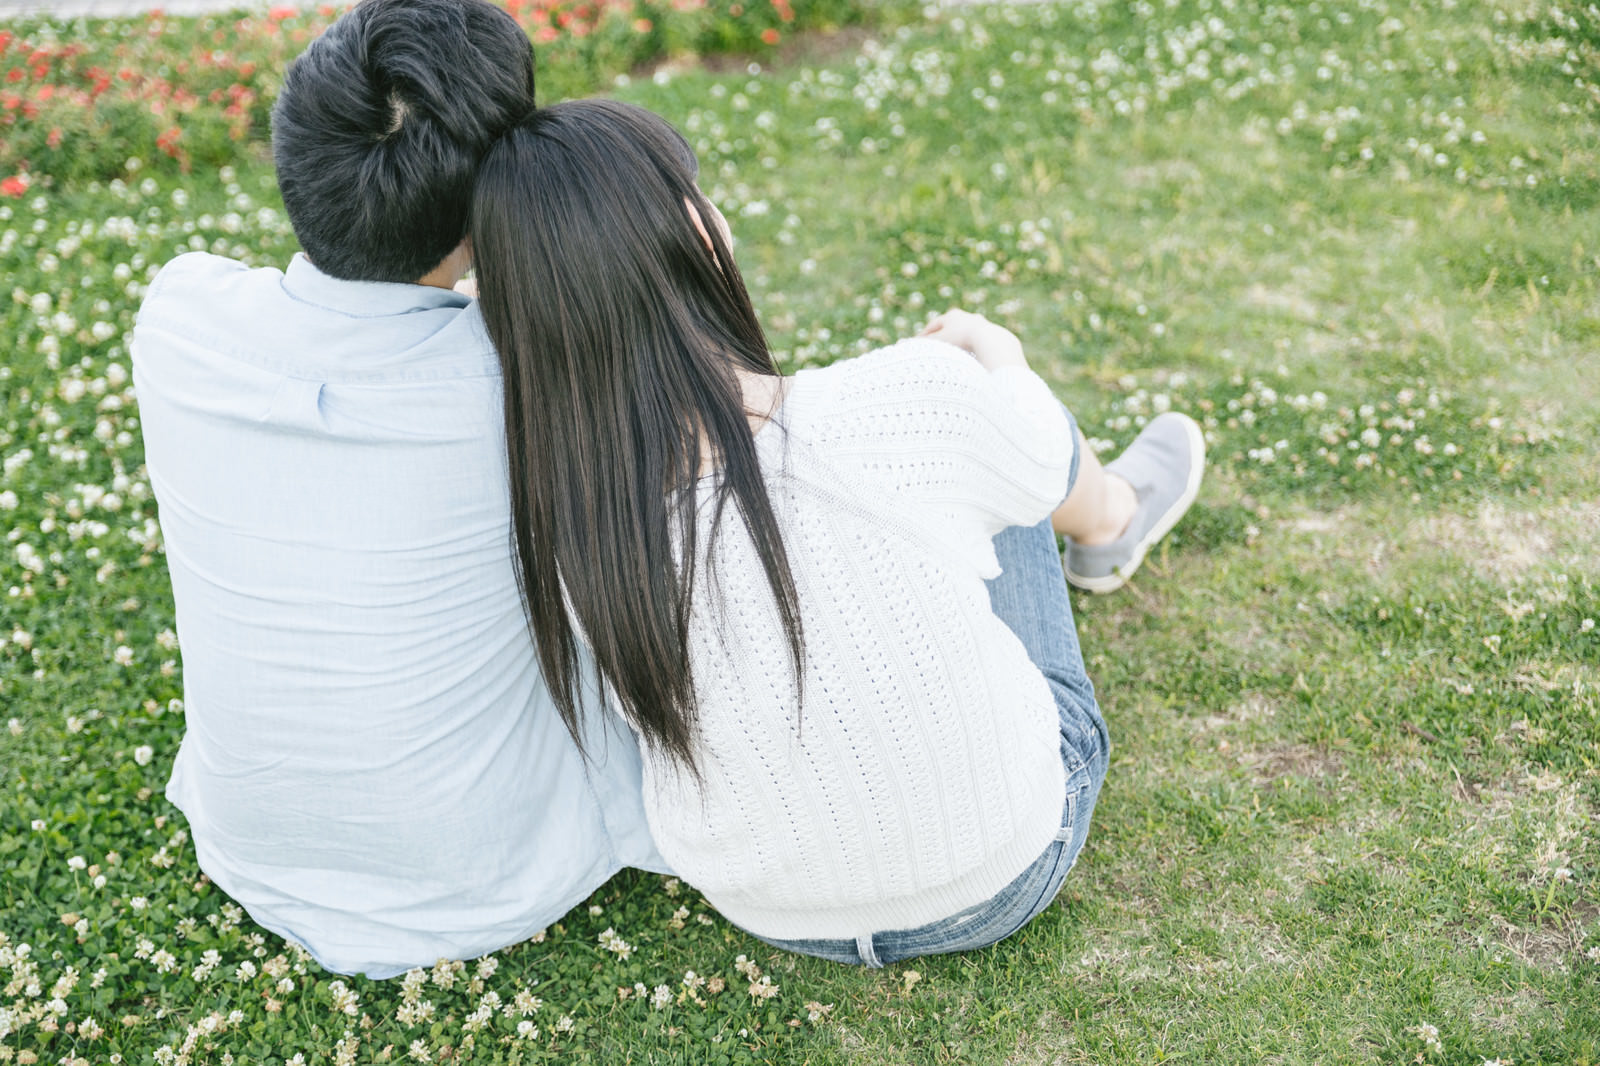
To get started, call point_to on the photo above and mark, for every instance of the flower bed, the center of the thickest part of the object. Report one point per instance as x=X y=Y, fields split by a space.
x=79 y=100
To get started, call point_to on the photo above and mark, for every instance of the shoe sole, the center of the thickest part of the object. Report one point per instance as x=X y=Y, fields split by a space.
x=1114 y=581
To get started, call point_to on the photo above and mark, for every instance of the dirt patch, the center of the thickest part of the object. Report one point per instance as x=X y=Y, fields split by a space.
x=1554 y=944
x=1168 y=171
x=1297 y=760
x=1283 y=301
x=1253 y=707
x=1507 y=544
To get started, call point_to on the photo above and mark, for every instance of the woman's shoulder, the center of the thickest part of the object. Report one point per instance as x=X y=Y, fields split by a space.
x=910 y=371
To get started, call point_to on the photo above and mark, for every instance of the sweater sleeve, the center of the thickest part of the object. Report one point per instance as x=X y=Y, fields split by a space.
x=982 y=450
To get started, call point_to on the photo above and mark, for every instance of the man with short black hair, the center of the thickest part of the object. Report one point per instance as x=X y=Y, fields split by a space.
x=372 y=764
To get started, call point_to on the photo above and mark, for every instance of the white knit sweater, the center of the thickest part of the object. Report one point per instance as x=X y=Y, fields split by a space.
x=923 y=773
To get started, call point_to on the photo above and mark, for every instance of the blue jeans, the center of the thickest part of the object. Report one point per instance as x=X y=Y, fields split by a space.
x=1030 y=596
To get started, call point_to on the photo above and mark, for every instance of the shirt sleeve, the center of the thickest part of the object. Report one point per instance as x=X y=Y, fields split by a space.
x=983 y=450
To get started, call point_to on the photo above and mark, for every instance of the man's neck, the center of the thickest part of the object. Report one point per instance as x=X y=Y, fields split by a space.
x=443 y=276
x=450 y=268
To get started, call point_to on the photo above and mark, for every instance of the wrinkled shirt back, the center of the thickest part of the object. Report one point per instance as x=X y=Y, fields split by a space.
x=373 y=765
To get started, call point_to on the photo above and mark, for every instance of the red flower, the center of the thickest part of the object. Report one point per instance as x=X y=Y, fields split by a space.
x=545 y=34
x=278 y=14
x=769 y=35
x=54 y=139
x=16 y=185
x=641 y=25
x=168 y=141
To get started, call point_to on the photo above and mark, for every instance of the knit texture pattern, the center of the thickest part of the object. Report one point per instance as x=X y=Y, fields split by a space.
x=923 y=772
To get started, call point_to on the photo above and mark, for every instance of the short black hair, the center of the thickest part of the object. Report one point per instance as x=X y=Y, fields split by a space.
x=380 y=126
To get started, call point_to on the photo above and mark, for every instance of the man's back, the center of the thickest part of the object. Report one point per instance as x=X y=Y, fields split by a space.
x=372 y=764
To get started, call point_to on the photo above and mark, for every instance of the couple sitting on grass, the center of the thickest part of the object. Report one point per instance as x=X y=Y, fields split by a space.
x=482 y=599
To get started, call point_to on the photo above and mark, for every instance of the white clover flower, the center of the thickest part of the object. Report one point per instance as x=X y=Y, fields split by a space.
x=412 y=983
x=77 y=862
x=138 y=903
x=419 y=1051
x=8 y=500
x=123 y=656
x=245 y=971
x=344 y=1000
x=65 y=983
x=285 y=985
x=143 y=754
x=344 y=1051
x=565 y=1024
x=660 y=998
x=209 y=961
x=526 y=1030
x=445 y=972
x=614 y=943
x=165 y=961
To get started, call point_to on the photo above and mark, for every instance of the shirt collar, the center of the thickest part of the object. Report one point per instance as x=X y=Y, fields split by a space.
x=306 y=283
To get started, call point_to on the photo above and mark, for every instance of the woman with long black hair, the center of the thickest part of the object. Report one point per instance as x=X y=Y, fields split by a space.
x=831 y=605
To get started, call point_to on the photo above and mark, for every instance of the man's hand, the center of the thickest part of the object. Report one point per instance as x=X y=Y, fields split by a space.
x=993 y=346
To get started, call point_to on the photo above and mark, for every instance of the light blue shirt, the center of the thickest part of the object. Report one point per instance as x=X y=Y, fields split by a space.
x=372 y=765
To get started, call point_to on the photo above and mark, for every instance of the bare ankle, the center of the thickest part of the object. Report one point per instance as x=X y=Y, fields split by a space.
x=1120 y=503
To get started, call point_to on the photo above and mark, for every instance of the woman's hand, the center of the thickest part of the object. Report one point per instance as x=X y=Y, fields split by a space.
x=993 y=346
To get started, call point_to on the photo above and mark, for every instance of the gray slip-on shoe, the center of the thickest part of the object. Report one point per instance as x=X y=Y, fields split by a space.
x=1163 y=464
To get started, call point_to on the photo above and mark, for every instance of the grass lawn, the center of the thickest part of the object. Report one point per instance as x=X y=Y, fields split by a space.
x=1352 y=813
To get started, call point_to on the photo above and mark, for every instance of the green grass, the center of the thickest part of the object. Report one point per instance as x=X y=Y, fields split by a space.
x=1356 y=704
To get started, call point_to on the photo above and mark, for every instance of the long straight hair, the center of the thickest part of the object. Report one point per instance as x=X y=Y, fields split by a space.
x=620 y=335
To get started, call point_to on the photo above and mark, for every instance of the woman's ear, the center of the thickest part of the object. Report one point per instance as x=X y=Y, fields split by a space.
x=699 y=225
